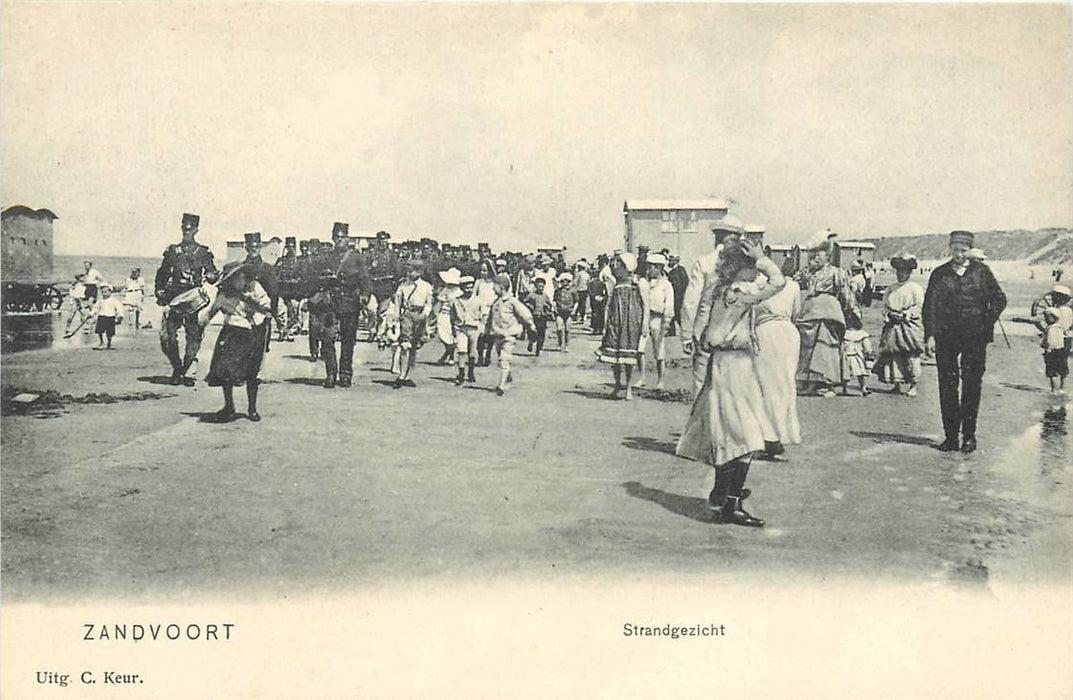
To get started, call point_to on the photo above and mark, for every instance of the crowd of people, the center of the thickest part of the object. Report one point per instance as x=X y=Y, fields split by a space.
x=759 y=334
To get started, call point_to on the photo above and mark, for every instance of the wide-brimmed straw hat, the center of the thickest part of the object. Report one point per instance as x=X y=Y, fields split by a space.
x=451 y=276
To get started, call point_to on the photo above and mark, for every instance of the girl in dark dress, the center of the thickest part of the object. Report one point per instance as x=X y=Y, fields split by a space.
x=627 y=318
x=240 y=348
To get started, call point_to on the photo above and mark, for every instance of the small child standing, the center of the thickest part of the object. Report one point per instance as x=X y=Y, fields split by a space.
x=543 y=310
x=1056 y=342
x=565 y=301
x=109 y=313
x=856 y=351
x=507 y=319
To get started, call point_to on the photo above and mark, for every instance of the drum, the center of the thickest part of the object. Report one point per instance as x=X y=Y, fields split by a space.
x=189 y=302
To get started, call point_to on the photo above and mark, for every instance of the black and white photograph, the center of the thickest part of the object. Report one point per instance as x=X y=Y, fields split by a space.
x=536 y=350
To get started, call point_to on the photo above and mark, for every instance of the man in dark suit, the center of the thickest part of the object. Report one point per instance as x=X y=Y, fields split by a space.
x=679 y=278
x=961 y=307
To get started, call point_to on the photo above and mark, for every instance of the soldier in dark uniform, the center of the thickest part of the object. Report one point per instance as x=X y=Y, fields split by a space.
x=185 y=266
x=961 y=307
x=307 y=270
x=347 y=278
x=289 y=287
x=264 y=273
x=384 y=270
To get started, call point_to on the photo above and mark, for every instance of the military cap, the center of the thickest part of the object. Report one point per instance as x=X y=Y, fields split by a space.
x=964 y=237
x=253 y=238
x=341 y=229
x=191 y=220
x=290 y=241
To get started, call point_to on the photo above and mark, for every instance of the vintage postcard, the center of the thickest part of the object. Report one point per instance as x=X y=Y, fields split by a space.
x=536 y=350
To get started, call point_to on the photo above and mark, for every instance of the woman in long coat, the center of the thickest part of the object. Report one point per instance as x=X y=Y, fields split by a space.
x=725 y=425
x=776 y=364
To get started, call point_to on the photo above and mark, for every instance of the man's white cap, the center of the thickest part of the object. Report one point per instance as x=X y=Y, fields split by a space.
x=1061 y=289
x=657 y=259
x=729 y=223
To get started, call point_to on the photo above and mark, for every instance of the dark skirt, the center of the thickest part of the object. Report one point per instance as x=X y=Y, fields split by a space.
x=237 y=356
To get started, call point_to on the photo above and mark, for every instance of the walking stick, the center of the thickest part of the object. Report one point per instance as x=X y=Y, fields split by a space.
x=1004 y=336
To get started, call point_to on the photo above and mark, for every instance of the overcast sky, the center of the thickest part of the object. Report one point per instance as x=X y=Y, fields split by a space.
x=530 y=124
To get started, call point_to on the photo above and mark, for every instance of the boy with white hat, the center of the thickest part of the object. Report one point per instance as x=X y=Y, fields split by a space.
x=109 y=313
x=1056 y=337
x=660 y=313
x=414 y=299
x=467 y=312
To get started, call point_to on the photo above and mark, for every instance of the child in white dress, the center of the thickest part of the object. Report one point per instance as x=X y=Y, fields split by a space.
x=856 y=354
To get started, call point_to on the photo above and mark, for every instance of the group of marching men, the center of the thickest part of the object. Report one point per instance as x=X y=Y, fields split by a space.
x=402 y=294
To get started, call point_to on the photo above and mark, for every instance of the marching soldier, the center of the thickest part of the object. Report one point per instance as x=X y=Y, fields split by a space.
x=288 y=276
x=347 y=277
x=384 y=270
x=307 y=268
x=185 y=266
x=264 y=273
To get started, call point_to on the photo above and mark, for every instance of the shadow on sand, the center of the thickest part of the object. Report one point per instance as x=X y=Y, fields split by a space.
x=895 y=437
x=214 y=417
x=686 y=506
x=156 y=379
x=598 y=395
x=648 y=444
x=306 y=381
x=1024 y=387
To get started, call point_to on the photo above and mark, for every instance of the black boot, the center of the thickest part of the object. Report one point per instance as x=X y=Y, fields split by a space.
x=470 y=376
x=733 y=513
x=329 y=383
x=461 y=378
x=724 y=475
x=949 y=445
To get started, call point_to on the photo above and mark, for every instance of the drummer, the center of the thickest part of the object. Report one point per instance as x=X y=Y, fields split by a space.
x=186 y=265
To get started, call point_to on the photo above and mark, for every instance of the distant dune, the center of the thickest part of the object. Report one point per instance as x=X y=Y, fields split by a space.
x=1049 y=246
